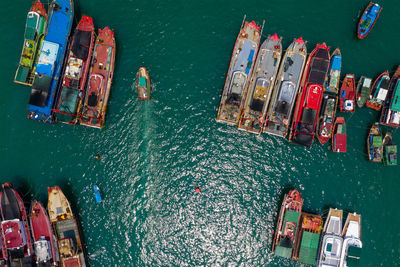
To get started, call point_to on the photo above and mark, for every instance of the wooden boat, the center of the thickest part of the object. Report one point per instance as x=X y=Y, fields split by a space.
x=239 y=73
x=333 y=78
x=374 y=144
x=66 y=228
x=390 y=115
x=261 y=85
x=362 y=92
x=44 y=240
x=287 y=85
x=327 y=117
x=99 y=83
x=310 y=96
x=379 y=91
x=72 y=89
x=34 y=33
x=389 y=150
x=339 y=137
x=352 y=244
x=143 y=84
x=368 y=19
x=286 y=227
x=347 y=94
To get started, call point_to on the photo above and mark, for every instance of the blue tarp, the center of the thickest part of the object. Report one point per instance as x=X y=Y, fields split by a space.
x=47 y=58
x=336 y=63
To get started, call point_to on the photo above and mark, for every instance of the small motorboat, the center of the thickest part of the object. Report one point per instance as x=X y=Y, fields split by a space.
x=97 y=194
x=347 y=94
x=339 y=137
x=368 y=19
x=143 y=84
x=363 y=87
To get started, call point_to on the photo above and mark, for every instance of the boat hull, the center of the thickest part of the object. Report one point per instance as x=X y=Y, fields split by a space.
x=362 y=92
x=339 y=137
x=143 y=84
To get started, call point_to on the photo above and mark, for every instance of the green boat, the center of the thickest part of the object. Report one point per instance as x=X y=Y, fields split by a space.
x=34 y=34
x=389 y=150
x=363 y=87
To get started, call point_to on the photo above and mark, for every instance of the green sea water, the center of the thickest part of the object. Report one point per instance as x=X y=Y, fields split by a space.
x=155 y=153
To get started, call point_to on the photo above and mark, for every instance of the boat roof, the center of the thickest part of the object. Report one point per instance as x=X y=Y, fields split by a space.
x=395 y=105
x=309 y=247
x=14 y=233
x=336 y=62
x=340 y=142
x=60 y=22
x=47 y=58
x=334 y=222
x=331 y=250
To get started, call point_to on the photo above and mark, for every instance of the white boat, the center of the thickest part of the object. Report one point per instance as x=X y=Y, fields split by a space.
x=352 y=241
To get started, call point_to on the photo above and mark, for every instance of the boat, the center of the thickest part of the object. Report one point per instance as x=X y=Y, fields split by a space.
x=261 y=85
x=143 y=84
x=389 y=150
x=14 y=227
x=310 y=96
x=309 y=232
x=362 y=92
x=44 y=240
x=3 y=252
x=352 y=244
x=374 y=144
x=339 y=137
x=99 y=82
x=97 y=194
x=347 y=94
x=286 y=88
x=368 y=19
x=286 y=228
x=66 y=229
x=333 y=78
x=239 y=73
x=34 y=32
x=72 y=88
x=332 y=241
x=379 y=91
x=326 y=117
x=390 y=115
x=51 y=59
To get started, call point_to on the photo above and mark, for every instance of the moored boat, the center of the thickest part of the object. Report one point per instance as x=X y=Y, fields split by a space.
x=239 y=73
x=310 y=96
x=34 y=32
x=333 y=78
x=327 y=117
x=352 y=244
x=379 y=91
x=72 y=87
x=368 y=19
x=362 y=92
x=390 y=115
x=347 y=94
x=374 y=144
x=66 y=228
x=286 y=227
x=143 y=84
x=339 y=137
x=286 y=88
x=50 y=63
x=261 y=85
x=389 y=150
x=44 y=240
x=99 y=81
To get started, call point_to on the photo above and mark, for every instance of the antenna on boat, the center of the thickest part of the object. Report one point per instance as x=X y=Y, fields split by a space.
x=244 y=19
x=262 y=27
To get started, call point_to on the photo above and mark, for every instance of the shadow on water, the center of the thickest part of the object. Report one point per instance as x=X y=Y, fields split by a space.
x=24 y=189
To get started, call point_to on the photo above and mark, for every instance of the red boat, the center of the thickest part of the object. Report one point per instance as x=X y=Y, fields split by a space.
x=43 y=237
x=99 y=84
x=310 y=97
x=347 y=95
x=14 y=226
x=379 y=91
x=72 y=88
x=339 y=137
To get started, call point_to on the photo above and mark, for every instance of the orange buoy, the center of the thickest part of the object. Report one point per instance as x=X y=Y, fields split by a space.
x=197 y=190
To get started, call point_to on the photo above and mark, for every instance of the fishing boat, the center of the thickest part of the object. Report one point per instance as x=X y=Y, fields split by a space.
x=389 y=150
x=368 y=19
x=374 y=144
x=333 y=78
x=50 y=63
x=239 y=73
x=339 y=137
x=143 y=84
x=14 y=227
x=332 y=241
x=347 y=94
x=379 y=91
x=66 y=228
x=97 y=194
x=286 y=88
x=362 y=92
x=310 y=96
x=100 y=77
x=390 y=115
x=261 y=85
x=352 y=244
x=326 y=117
x=306 y=249
x=44 y=240
x=72 y=88
x=34 y=32
x=286 y=228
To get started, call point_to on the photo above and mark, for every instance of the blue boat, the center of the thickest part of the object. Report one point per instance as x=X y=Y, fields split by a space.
x=50 y=63
x=333 y=78
x=368 y=19
x=97 y=194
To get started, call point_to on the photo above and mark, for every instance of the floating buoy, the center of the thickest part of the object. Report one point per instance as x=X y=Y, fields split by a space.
x=97 y=156
x=197 y=190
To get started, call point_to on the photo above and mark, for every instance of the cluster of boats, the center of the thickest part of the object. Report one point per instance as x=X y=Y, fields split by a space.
x=69 y=74
x=39 y=238
x=305 y=237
